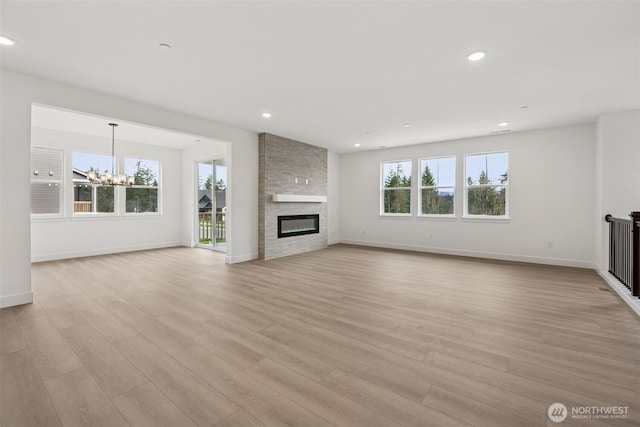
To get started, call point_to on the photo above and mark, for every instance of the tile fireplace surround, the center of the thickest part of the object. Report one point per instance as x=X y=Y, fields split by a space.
x=288 y=167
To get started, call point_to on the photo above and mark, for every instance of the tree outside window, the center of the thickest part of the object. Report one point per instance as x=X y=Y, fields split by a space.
x=396 y=187
x=437 y=186
x=487 y=184
x=142 y=197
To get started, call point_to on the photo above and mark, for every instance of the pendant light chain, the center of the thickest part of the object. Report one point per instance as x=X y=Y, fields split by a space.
x=112 y=178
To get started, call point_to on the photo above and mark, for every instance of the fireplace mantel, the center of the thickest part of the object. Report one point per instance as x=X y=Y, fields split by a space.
x=299 y=198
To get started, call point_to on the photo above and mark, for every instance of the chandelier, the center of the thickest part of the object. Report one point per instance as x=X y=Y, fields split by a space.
x=110 y=178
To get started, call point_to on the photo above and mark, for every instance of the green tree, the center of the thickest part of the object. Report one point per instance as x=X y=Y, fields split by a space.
x=429 y=195
x=397 y=192
x=143 y=199
x=104 y=194
x=208 y=184
x=488 y=199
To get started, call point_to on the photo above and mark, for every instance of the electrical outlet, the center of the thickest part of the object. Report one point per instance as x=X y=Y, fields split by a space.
x=430 y=236
x=550 y=245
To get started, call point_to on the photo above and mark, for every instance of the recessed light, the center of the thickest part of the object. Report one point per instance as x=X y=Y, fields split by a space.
x=266 y=115
x=477 y=56
x=6 y=41
x=406 y=125
x=356 y=145
x=367 y=133
x=165 y=46
x=524 y=107
x=503 y=124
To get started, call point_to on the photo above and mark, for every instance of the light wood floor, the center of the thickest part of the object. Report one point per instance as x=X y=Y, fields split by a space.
x=346 y=336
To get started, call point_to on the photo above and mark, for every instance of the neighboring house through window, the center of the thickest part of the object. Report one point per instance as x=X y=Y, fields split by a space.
x=90 y=198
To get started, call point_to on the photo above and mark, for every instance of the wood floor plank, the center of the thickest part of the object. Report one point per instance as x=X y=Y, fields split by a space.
x=378 y=372
x=239 y=419
x=162 y=335
x=11 y=338
x=24 y=400
x=112 y=370
x=346 y=335
x=316 y=397
x=387 y=403
x=80 y=401
x=203 y=404
x=303 y=362
x=146 y=406
x=51 y=352
x=250 y=394
x=63 y=313
x=110 y=326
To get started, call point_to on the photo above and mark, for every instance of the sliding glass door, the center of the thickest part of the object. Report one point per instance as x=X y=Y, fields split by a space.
x=211 y=205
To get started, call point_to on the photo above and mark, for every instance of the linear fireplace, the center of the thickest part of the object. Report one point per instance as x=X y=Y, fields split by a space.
x=296 y=225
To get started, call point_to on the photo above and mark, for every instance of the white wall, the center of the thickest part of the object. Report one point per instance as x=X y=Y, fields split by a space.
x=203 y=152
x=333 y=197
x=19 y=91
x=618 y=166
x=551 y=174
x=82 y=235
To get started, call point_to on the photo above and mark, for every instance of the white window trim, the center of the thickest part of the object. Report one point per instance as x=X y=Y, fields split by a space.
x=420 y=187
x=92 y=214
x=60 y=182
x=158 y=187
x=382 y=213
x=486 y=218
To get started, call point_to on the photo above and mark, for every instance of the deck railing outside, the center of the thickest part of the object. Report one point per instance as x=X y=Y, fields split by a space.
x=207 y=230
x=82 y=207
x=624 y=250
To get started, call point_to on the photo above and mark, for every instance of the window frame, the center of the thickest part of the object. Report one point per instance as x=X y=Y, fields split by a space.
x=158 y=188
x=94 y=190
x=383 y=189
x=59 y=182
x=465 y=214
x=421 y=187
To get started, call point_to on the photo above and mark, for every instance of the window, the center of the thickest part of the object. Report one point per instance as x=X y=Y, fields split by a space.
x=46 y=181
x=487 y=184
x=396 y=187
x=437 y=186
x=87 y=198
x=142 y=197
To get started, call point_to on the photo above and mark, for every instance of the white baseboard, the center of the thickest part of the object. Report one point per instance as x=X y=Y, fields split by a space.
x=102 y=251
x=16 y=299
x=477 y=254
x=334 y=242
x=240 y=258
x=621 y=290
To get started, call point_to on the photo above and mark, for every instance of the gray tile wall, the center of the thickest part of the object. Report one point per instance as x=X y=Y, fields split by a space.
x=281 y=161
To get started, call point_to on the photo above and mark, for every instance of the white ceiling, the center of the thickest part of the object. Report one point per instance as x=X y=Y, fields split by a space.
x=338 y=73
x=46 y=117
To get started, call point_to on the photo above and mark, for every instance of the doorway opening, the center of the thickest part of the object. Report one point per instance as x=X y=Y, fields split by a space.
x=211 y=220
